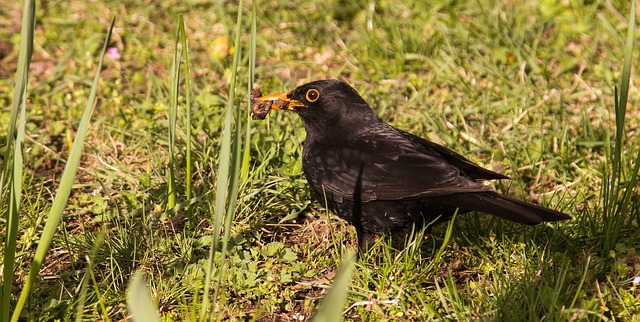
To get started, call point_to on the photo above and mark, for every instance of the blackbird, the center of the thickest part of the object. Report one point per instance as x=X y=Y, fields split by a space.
x=383 y=180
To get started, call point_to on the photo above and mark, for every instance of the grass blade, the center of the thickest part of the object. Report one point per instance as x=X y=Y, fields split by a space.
x=139 y=300
x=447 y=237
x=187 y=82
x=66 y=183
x=230 y=180
x=226 y=184
x=581 y=284
x=15 y=190
x=621 y=107
x=174 y=79
x=252 y=71
x=84 y=282
x=616 y=192
x=333 y=303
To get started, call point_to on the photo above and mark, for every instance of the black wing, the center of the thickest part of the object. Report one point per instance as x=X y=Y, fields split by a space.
x=392 y=168
x=467 y=167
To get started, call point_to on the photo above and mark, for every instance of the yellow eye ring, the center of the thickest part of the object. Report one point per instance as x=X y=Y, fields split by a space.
x=312 y=95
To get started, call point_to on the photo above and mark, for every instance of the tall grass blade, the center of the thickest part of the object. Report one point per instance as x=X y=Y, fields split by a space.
x=226 y=180
x=447 y=237
x=66 y=183
x=98 y=293
x=621 y=107
x=333 y=303
x=139 y=300
x=632 y=181
x=15 y=189
x=174 y=79
x=234 y=166
x=616 y=192
x=252 y=71
x=581 y=284
x=187 y=82
x=13 y=216
x=236 y=146
x=84 y=283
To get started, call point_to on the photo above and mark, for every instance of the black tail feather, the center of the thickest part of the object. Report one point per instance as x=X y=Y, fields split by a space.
x=505 y=207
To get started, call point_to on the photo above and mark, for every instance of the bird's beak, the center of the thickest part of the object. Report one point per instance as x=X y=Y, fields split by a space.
x=280 y=101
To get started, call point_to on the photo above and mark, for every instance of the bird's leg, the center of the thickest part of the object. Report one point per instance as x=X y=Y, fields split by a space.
x=365 y=240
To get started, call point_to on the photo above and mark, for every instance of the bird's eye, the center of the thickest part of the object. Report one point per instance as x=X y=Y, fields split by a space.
x=312 y=95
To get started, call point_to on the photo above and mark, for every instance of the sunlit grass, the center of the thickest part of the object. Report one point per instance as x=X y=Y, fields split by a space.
x=178 y=183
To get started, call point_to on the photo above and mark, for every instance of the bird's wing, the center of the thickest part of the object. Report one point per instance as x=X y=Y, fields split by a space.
x=467 y=167
x=388 y=168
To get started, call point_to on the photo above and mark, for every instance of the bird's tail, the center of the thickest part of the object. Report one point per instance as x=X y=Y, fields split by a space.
x=505 y=207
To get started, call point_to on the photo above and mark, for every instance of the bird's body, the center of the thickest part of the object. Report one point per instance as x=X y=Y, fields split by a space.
x=382 y=179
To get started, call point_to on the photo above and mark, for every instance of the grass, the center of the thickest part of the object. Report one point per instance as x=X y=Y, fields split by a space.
x=527 y=89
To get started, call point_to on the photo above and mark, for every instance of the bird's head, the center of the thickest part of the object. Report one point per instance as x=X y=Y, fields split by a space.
x=325 y=106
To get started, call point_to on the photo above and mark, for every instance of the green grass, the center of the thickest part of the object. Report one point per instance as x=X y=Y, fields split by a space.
x=528 y=90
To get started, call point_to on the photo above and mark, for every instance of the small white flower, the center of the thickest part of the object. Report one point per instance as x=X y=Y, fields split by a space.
x=636 y=280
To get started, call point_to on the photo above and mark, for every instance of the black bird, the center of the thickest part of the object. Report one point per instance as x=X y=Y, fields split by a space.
x=382 y=179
